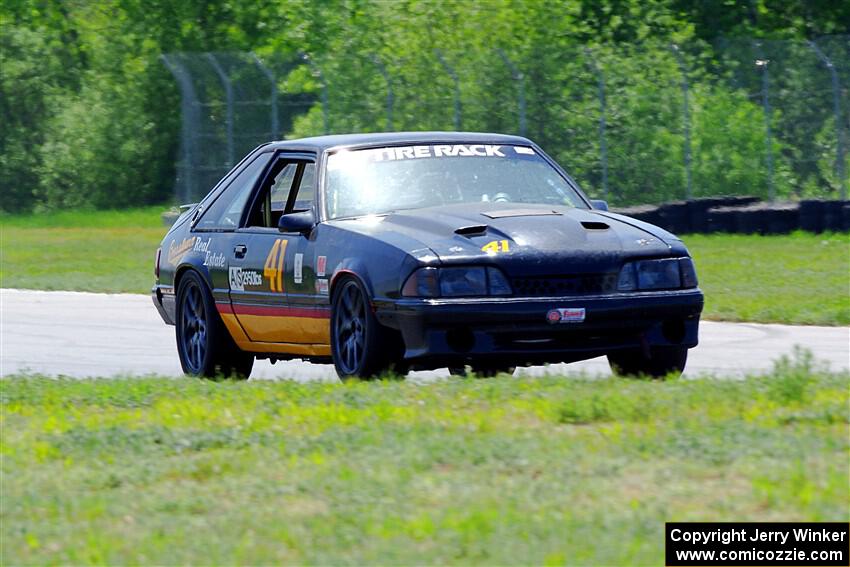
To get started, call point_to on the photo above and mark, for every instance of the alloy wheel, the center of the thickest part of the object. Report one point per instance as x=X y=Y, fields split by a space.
x=194 y=328
x=350 y=327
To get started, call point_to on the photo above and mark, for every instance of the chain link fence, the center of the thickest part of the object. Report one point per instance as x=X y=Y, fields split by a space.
x=634 y=124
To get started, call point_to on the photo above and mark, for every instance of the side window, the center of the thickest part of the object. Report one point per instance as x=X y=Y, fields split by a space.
x=225 y=212
x=288 y=179
x=306 y=189
x=282 y=185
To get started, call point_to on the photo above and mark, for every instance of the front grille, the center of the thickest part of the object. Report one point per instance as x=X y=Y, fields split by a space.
x=558 y=286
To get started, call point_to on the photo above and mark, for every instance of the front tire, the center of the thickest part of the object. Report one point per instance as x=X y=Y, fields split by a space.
x=360 y=346
x=663 y=361
x=203 y=343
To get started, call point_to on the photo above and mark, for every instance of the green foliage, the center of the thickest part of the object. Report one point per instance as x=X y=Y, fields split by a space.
x=104 y=150
x=91 y=116
x=500 y=471
x=30 y=75
x=728 y=152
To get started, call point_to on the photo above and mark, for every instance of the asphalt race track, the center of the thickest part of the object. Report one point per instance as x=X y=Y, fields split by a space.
x=88 y=334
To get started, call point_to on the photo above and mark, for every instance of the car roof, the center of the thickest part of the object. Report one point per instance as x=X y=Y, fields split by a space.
x=321 y=143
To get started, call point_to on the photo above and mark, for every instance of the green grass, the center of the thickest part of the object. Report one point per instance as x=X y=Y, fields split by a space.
x=504 y=471
x=799 y=278
x=102 y=251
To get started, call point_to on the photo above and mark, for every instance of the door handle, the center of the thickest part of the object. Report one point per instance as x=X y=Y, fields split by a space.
x=239 y=250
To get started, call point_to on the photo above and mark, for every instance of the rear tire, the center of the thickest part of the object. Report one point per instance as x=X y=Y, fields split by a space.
x=360 y=346
x=662 y=362
x=203 y=343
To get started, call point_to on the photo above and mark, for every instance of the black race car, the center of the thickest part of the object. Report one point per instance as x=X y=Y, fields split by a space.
x=419 y=250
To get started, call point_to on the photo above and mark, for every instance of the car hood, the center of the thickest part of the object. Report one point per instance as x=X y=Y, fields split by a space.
x=523 y=239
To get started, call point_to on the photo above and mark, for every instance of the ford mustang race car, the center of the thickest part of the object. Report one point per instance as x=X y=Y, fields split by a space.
x=419 y=250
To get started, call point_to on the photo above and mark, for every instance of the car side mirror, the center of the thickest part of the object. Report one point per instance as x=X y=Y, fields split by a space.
x=302 y=222
x=599 y=204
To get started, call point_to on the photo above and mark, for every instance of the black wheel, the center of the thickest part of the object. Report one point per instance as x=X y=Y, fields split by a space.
x=203 y=343
x=360 y=346
x=481 y=370
x=662 y=362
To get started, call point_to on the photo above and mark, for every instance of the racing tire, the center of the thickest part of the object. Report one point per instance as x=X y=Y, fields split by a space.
x=663 y=362
x=360 y=346
x=205 y=347
x=481 y=370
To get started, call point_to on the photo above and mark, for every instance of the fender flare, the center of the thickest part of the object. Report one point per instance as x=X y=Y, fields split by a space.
x=355 y=268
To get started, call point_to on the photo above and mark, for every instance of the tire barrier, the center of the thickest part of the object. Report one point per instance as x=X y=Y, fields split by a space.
x=721 y=219
x=675 y=215
x=698 y=210
x=833 y=216
x=811 y=215
x=745 y=215
x=645 y=213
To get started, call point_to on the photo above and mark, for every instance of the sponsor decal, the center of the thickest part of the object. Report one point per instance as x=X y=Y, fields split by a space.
x=343 y=158
x=457 y=150
x=167 y=290
x=523 y=150
x=299 y=268
x=177 y=251
x=201 y=245
x=322 y=286
x=566 y=315
x=321 y=265
x=214 y=259
x=644 y=241
x=239 y=278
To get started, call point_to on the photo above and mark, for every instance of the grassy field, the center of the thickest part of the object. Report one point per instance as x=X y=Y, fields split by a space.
x=531 y=471
x=800 y=278
x=104 y=251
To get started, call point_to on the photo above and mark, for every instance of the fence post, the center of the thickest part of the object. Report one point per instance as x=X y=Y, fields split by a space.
x=517 y=76
x=189 y=114
x=456 y=81
x=273 y=94
x=686 y=118
x=228 y=93
x=603 y=145
x=839 y=127
x=390 y=96
x=762 y=63
x=317 y=72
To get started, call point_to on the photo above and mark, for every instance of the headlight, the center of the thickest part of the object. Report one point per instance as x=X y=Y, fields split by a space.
x=667 y=273
x=689 y=272
x=456 y=282
x=459 y=282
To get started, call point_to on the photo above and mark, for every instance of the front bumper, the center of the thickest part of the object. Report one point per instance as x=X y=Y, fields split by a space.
x=515 y=331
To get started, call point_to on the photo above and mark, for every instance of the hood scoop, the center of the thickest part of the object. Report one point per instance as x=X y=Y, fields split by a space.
x=595 y=225
x=519 y=213
x=472 y=230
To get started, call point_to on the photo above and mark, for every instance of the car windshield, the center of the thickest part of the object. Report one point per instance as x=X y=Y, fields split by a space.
x=381 y=180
